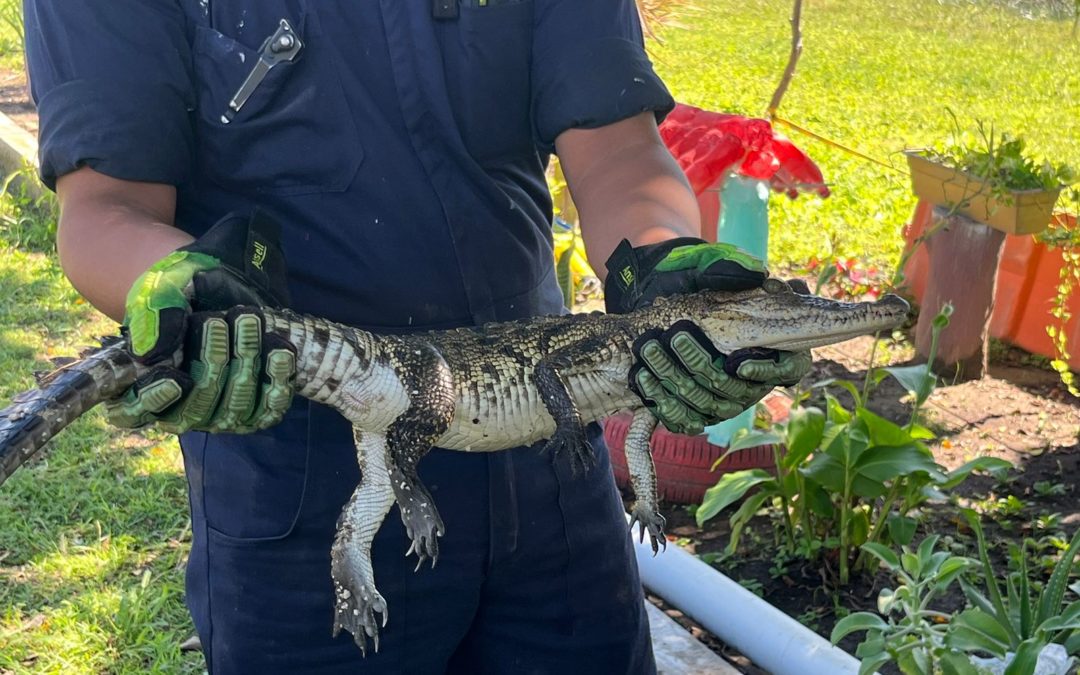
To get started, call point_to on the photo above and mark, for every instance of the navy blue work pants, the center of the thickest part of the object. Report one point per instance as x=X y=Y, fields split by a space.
x=535 y=573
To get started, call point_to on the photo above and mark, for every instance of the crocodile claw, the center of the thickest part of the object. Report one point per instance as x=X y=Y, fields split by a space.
x=653 y=522
x=361 y=613
x=424 y=527
x=574 y=443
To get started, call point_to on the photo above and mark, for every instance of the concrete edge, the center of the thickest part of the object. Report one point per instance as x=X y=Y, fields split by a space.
x=677 y=652
x=18 y=152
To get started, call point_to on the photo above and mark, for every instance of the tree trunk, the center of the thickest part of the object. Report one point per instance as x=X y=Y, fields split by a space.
x=963 y=261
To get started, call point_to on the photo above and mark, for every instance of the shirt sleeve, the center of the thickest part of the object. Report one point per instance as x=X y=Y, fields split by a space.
x=113 y=87
x=590 y=68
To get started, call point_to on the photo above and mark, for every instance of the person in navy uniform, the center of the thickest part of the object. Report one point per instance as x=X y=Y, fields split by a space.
x=401 y=145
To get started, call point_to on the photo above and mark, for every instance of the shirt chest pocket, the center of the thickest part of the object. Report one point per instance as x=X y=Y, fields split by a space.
x=295 y=134
x=488 y=78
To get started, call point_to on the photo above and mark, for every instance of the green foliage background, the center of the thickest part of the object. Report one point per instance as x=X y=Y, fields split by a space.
x=876 y=76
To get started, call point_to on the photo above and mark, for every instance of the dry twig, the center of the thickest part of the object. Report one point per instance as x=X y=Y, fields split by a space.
x=793 y=59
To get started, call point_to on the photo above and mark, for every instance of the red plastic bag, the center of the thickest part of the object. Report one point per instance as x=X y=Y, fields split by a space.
x=707 y=145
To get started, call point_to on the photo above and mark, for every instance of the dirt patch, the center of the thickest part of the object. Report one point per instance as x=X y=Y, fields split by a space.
x=15 y=100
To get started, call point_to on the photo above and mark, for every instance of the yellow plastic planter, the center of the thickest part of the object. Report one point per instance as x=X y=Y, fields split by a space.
x=1024 y=212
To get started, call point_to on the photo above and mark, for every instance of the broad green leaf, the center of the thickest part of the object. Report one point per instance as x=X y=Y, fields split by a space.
x=882 y=431
x=859 y=526
x=974 y=629
x=873 y=645
x=837 y=413
x=886 y=599
x=953 y=663
x=740 y=518
x=805 y=429
x=918 y=380
x=729 y=489
x=749 y=438
x=871 y=664
x=919 y=432
x=856 y=622
x=817 y=498
x=882 y=553
x=850 y=388
x=933 y=565
x=910 y=562
x=826 y=471
x=925 y=550
x=901 y=529
x=1027 y=657
x=885 y=462
x=914 y=662
x=992 y=465
x=951 y=569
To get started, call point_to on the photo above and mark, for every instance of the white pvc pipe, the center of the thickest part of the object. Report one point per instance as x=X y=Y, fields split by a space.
x=771 y=639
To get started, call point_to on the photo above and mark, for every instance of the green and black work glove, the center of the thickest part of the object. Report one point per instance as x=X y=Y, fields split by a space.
x=678 y=373
x=193 y=316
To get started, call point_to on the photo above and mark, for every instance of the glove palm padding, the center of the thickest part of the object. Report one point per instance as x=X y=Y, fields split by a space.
x=678 y=373
x=216 y=371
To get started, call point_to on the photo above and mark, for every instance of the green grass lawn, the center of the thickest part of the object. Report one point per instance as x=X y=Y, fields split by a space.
x=876 y=76
x=93 y=540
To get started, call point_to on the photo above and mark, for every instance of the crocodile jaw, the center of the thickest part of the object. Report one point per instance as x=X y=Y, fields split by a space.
x=776 y=317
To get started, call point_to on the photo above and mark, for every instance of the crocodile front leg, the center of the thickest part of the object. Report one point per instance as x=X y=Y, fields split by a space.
x=430 y=386
x=358 y=603
x=550 y=377
x=645 y=509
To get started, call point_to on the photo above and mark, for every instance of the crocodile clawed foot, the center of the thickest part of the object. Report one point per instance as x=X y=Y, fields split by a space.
x=574 y=443
x=650 y=521
x=424 y=527
x=361 y=611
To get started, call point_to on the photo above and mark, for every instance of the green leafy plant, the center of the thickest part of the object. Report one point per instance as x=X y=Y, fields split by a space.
x=845 y=478
x=1012 y=615
x=999 y=159
x=912 y=633
x=1062 y=235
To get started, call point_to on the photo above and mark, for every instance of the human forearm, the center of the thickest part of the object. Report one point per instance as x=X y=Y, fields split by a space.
x=626 y=185
x=110 y=232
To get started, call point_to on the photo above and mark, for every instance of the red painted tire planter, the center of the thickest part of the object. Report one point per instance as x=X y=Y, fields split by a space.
x=684 y=463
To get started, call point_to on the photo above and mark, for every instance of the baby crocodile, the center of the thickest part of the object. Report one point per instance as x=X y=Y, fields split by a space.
x=471 y=389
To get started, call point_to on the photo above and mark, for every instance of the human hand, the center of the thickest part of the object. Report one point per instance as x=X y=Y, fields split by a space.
x=212 y=370
x=678 y=374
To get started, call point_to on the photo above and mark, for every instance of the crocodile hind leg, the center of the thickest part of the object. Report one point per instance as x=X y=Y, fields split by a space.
x=431 y=408
x=357 y=603
x=639 y=460
x=550 y=378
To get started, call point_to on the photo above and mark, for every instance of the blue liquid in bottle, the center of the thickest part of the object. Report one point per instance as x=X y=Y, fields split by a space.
x=744 y=222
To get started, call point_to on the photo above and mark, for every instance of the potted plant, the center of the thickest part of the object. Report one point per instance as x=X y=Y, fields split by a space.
x=989 y=178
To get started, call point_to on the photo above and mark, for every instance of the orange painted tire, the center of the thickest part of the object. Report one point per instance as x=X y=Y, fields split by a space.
x=683 y=463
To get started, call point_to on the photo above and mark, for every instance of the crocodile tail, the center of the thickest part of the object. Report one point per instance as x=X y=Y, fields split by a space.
x=37 y=415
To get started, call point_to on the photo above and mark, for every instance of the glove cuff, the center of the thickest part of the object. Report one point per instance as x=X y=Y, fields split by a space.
x=250 y=250
x=629 y=265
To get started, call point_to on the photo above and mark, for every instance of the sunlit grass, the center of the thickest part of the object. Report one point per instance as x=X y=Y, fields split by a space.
x=94 y=537
x=878 y=77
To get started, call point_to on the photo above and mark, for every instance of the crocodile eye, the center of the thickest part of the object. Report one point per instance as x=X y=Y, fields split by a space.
x=774 y=285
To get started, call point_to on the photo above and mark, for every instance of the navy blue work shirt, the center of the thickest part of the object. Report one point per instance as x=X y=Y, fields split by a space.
x=403 y=153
